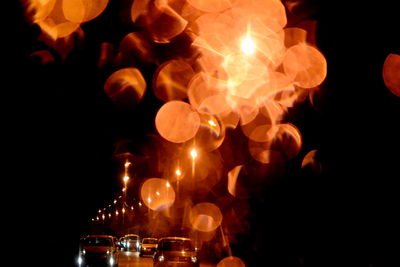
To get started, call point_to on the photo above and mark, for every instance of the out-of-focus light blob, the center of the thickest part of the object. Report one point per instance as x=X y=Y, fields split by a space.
x=202 y=87
x=391 y=73
x=245 y=74
x=40 y=8
x=230 y=120
x=260 y=151
x=294 y=36
x=106 y=54
x=138 y=8
x=83 y=10
x=193 y=153
x=156 y=194
x=287 y=140
x=211 y=132
x=311 y=162
x=270 y=12
x=52 y=21
x=216 y=105
x=171 y=80
x=232 y=178
x=306 y=65
x=231 y=261
x=263 y=123
x=125 y=87
x=136 y=46
x=177 y=122
x=44 y=55
x=211 y=5
x=205 y=217
x=161 y=21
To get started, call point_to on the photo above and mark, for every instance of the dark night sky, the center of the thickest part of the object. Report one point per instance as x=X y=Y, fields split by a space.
x=66 y=130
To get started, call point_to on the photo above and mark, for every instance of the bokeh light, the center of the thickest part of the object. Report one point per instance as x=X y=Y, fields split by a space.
x=125 y=87
x=177 y=122
x=161 y=21
x=391 y=73
x=83 y=10
x=205 y=217
x=232 y=179
x=157 y=194
x=231 y=261
x=171 y=80
x=312 y=163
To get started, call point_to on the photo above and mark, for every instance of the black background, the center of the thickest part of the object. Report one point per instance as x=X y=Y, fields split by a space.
x=64 y=129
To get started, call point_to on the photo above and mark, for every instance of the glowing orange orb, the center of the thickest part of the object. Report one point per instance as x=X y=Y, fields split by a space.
x=177 y=122
x=205 y=217
x=231 y=261
x=157 y=194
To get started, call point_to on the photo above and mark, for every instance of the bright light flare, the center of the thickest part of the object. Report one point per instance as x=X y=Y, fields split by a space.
x=127 y=164
x=247 y=45
x=193 y=153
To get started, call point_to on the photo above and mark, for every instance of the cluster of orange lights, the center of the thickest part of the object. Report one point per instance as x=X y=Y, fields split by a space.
x=59 y=19
x=246 y=68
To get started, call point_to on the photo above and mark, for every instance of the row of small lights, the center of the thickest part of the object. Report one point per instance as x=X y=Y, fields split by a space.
x=125 y=179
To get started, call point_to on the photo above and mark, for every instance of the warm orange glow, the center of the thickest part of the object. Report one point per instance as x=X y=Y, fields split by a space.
x=211 y=5
x=171 y=80
x=391 y=73
x=232 y=178
x=231 y=261
x=212 y=123
x=306 y=65
x=156 y=195
x=177 y=122
x=125 y=87
x=161 y=21
x=83 y=10
x=205 y=217
x=44 y=56
x=247 y=45
x=136 y=46
x=42 y=8
x=211 y=133
x=193 y=153
x=127 y=164
x=311 y=162
x=240 y=66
